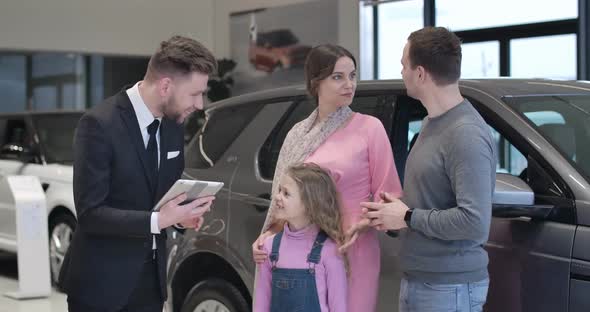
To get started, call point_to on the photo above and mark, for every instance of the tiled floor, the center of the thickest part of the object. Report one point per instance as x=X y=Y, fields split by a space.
x=8 y=283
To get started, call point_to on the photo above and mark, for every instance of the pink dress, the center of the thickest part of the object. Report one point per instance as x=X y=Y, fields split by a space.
x=360 y=159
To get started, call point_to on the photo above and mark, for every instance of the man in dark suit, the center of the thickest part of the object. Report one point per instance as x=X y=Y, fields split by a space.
x=128 y=153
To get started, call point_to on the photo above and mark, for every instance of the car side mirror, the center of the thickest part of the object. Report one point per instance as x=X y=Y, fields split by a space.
x=513 y=198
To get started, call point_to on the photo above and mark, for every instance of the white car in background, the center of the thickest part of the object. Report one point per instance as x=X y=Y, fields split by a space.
x=40 y=144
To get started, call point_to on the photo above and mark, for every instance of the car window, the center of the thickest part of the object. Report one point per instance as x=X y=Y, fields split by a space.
x=517 y=157
x=380 y=107
x=221 y=128
x=513 y=159
x=509 y=158
x=193 y=124
x=2 y=131
x=413 y=132
x=564 y=121
x=14 y=139
x=56 y=136
x=269 y=152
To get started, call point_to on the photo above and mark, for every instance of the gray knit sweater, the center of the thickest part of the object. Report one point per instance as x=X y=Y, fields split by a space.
x=449 y=181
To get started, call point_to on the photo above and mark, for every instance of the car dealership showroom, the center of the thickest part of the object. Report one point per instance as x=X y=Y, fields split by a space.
x=200 y=155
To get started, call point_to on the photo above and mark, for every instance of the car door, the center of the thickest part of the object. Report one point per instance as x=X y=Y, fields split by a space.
x=16 y=138
x=530 y=257
x=7 y=222
x=217 y=153
x=250 y=189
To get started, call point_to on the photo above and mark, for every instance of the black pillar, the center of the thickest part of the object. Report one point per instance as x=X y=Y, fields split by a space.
x=430 y=13
x=505 y=57
x=583 y=40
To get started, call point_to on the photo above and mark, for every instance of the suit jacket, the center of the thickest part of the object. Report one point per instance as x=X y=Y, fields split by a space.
x=114 y=195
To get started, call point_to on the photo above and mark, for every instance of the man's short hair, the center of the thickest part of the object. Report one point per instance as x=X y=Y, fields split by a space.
x=180 y=56
x=438 y=50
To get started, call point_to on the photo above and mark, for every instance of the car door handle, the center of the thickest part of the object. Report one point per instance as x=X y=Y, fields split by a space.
x=580 y=269
x=260 y=202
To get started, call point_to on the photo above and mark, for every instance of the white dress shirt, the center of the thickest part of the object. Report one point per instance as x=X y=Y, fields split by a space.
x=145 y=118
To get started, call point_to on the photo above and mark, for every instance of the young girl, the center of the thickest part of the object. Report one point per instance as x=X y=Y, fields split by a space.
x=304 y=271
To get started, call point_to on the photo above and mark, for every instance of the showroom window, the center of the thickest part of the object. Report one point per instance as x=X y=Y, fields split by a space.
x=366 y=37
x=12 y=83
x=396 y=21
x=480 y=60
x=63 y=81
x=58 y=81
x=501 y=38
x=526 y=56
x=475 y=14
x=96 y=80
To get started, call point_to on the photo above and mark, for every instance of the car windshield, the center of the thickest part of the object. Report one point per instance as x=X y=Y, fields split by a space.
x=564 y=120
x=56 y=136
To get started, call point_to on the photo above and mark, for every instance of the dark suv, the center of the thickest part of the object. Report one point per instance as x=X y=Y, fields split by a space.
x=539 y=244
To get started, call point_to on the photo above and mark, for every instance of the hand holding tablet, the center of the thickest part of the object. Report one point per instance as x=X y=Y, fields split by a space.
x=185 y=201
x=192 y=188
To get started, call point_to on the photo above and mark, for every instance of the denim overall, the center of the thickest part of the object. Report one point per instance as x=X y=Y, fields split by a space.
x=295 y=290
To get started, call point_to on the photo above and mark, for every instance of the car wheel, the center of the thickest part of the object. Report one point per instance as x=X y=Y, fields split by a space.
x=61 y=230
x=214 y=295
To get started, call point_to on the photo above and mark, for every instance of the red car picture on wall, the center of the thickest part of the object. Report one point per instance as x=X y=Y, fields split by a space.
x=276 y=49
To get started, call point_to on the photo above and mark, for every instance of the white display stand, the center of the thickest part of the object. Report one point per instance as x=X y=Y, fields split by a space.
x=28 y=199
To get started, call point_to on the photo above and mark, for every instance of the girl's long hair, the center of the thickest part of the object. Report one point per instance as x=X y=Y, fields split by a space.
x=320 y=199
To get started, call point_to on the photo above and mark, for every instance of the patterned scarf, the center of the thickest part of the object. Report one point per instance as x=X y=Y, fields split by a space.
x=302 y=140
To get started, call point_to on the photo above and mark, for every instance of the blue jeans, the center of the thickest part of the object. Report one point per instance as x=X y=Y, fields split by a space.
x=426 y=297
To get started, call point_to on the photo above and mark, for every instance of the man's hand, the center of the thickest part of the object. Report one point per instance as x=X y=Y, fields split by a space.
x=387 y=214
x=353 y=233
x=173 y=212
x=195 y=223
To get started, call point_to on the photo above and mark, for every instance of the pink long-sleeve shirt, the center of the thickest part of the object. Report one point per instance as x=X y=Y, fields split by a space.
x=330 y=273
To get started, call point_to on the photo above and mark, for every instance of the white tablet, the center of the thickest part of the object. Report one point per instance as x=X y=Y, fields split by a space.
x=193 y=188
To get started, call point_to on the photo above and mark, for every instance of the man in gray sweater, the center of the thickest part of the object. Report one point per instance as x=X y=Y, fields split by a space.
x=448 y=185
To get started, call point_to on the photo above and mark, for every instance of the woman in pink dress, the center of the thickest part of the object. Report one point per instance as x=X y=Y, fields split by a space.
x=355 y=149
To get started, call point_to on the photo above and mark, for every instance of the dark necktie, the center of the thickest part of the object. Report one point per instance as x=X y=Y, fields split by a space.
x=152 y=150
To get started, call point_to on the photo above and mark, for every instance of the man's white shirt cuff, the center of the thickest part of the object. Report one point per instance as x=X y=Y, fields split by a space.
x=155 y=229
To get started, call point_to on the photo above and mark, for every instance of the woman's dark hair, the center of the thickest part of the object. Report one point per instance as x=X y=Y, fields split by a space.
x=320 y=64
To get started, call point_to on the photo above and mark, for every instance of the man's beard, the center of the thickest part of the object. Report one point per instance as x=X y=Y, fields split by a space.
x=170 y=111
